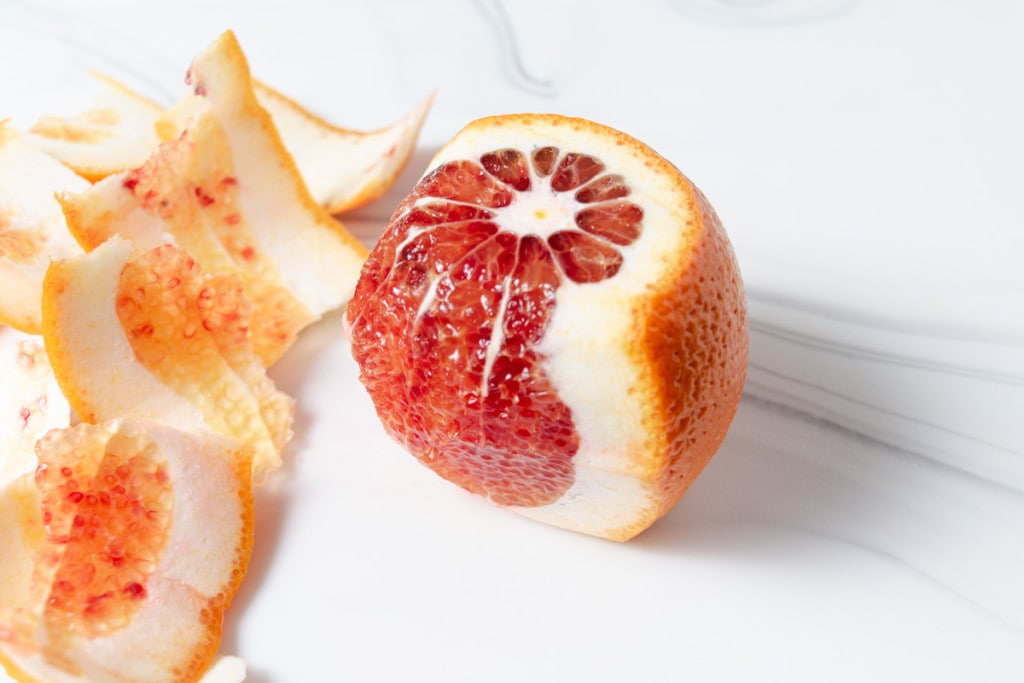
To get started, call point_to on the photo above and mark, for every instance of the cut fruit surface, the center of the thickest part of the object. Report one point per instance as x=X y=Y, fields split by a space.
x=118 y=132
x=142 y=534
x=149 y=336
x=554 y=318
x=32 y=227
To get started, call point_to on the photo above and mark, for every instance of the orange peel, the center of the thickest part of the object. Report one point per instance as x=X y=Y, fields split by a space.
x=116 y=133
x=31 y=404
x=32 y=226
x=189 y=190
x=139 y=539
x=148 y=336
x=343 y=168
x=228 y=192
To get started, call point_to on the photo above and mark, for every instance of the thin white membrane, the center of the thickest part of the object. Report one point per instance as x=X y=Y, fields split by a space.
x=497 y=338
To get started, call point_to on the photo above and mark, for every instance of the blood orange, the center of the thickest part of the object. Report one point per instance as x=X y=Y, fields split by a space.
x=554 y=318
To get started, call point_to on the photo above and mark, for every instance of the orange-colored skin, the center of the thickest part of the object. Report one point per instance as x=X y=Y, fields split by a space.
x=693 y=338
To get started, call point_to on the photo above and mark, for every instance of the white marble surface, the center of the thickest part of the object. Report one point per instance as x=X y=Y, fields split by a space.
x=865 y=518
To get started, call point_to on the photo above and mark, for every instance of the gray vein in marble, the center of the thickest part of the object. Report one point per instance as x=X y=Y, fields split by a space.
x=498 y=19
x=763 y=390
x=864 y=353
x=873 y=319
x=871 y=440
x=761 y=12
x=58 y=26
x=834 y=482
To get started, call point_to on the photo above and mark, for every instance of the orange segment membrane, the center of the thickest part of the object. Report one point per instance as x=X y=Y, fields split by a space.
x=472 y=297
x=106 y=509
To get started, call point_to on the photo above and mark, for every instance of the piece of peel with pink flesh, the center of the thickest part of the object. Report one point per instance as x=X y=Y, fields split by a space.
x=151 y=337
x=32 y=227
x=227 y=191
x=109 y=600
x=317 y=258
x=189 y=189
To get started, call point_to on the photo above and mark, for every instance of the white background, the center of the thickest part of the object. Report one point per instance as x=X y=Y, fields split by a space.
x=865 y=518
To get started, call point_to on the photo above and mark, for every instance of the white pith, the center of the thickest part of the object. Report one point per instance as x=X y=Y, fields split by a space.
x=318 y=266
x=29 y=179
x=95 y=337
x=31 y=404
x=584 y=344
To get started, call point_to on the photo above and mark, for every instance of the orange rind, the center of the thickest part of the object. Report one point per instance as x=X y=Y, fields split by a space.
x=228 y=192
x=343 y=169
x=32 y=227
x=189 y=190
x=129 y=544
x=317 y=258
x=149 y=336
x=31 y=404
x=116 y=133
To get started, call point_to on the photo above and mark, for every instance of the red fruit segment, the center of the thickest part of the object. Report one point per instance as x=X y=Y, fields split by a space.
x=106 y=511
x=583 y=258
x=602 y=189
x=544 y=160
x=464 y=181
x=575 y=170
x=508 y=166
x=618 y=222
x=453 y=302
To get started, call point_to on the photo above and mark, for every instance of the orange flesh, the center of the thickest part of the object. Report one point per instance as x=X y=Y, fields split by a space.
x=106 y=510
x=453 y=301
x=184 y=328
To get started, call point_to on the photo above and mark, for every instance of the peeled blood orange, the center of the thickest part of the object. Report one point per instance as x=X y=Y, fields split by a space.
x=555 y=319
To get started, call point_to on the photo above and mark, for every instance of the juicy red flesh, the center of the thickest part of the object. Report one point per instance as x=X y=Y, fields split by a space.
x=452 y=304
x=107 y=519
